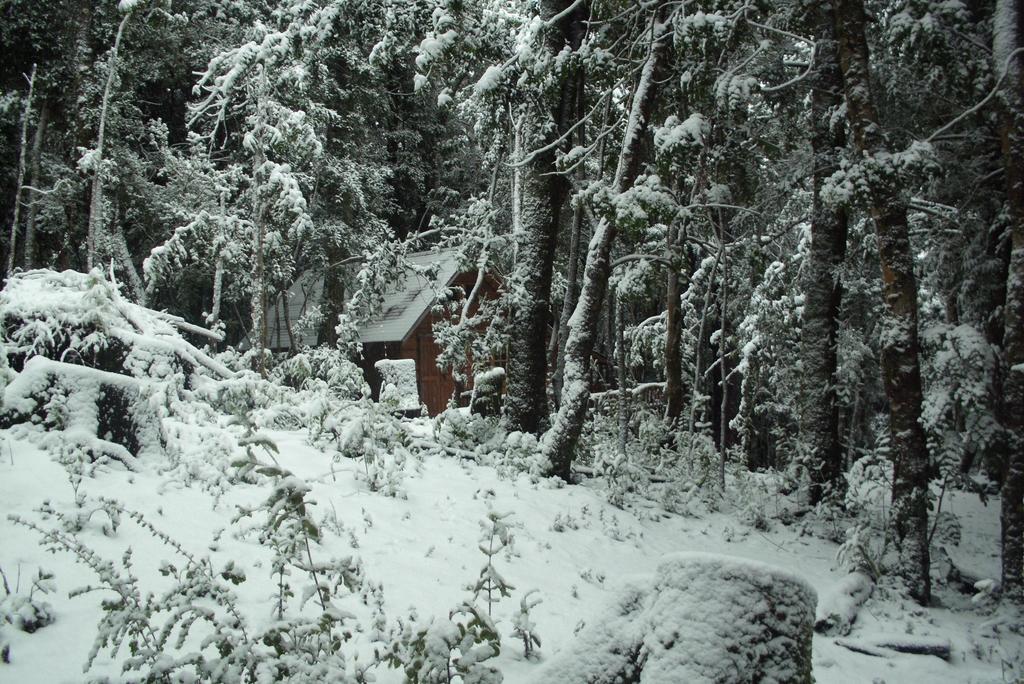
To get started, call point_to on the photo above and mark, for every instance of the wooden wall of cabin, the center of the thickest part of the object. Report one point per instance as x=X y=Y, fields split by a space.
x=435 y=387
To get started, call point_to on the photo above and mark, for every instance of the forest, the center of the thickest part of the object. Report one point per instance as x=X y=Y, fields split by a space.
x=741 y=305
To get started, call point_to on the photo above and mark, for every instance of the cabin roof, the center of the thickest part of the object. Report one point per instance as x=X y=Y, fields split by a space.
x=410 y=299
x=405 y=304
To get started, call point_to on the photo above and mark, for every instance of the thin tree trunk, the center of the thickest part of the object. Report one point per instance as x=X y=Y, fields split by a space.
x=673 y=332
x=1008 y=37
x=620 y=363
x=559 y=443
x=259 y=298
x=723 y=420
x=119 y=247
x=36 y=182
x=823 y=290
x=21 y=171
x=96 y=199
x=901 y=369
x=697 y=371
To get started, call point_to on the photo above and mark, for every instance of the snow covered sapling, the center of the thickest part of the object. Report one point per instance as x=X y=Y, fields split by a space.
x=447 y=651
x=288 y=530
x=380 y=440
x=26 y=613
x=495 y=536
x=523 y=627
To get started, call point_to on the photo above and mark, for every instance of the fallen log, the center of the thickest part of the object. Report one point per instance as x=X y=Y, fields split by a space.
x=879 y=644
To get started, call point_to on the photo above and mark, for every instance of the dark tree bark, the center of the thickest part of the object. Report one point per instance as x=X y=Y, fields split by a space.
x=333 y=297
x=901 y=369
x=674 y=390
x=823 y=290
x=560 y=442
x=1007 y=42
x=544 y=191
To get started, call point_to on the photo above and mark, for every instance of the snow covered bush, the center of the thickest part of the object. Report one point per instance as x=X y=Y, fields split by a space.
x=190 y=628
x=705 y=618
x=495 y=536
x=487 y=386
x=322 y=368
x=957 y=413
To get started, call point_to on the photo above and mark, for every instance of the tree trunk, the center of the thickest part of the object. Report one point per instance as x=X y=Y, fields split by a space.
x=545 y=192
x=36 y=182
x=823 y=290
x=96 y=197
x=13 y=245
x=559 y=443
x=621 y=375
x=674 y=332
x=723 y=420
x=1007 y=38
x=573 y=270
x=901 y=370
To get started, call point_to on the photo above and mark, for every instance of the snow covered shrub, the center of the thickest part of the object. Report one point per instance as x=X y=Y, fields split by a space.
x=465 y=431
x=752 y=493
x=622 y=472
x=267 y=404
x=289 y=530
x=446 y=651
x=191 y=629
x=864 y=551
x=486 y=400
x=520 y=452
x=398 y=390
x=869 y=487
x=868 y=491
x=325 y=369
x=380 y=440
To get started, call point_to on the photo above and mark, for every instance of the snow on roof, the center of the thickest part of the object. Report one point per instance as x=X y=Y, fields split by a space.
x=404 y=306
x=408 y=302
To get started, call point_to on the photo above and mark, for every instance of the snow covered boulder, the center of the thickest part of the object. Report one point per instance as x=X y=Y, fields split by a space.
x=82 y=360
x=704 y=618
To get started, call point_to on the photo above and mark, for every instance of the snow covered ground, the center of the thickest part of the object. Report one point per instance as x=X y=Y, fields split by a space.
x=569 y=544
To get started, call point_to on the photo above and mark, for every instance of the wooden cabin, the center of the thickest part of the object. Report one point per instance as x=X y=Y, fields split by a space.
x=403 y=329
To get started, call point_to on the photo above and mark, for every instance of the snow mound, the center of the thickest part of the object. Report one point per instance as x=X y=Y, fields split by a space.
x=704 y=618
x=840 y=604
